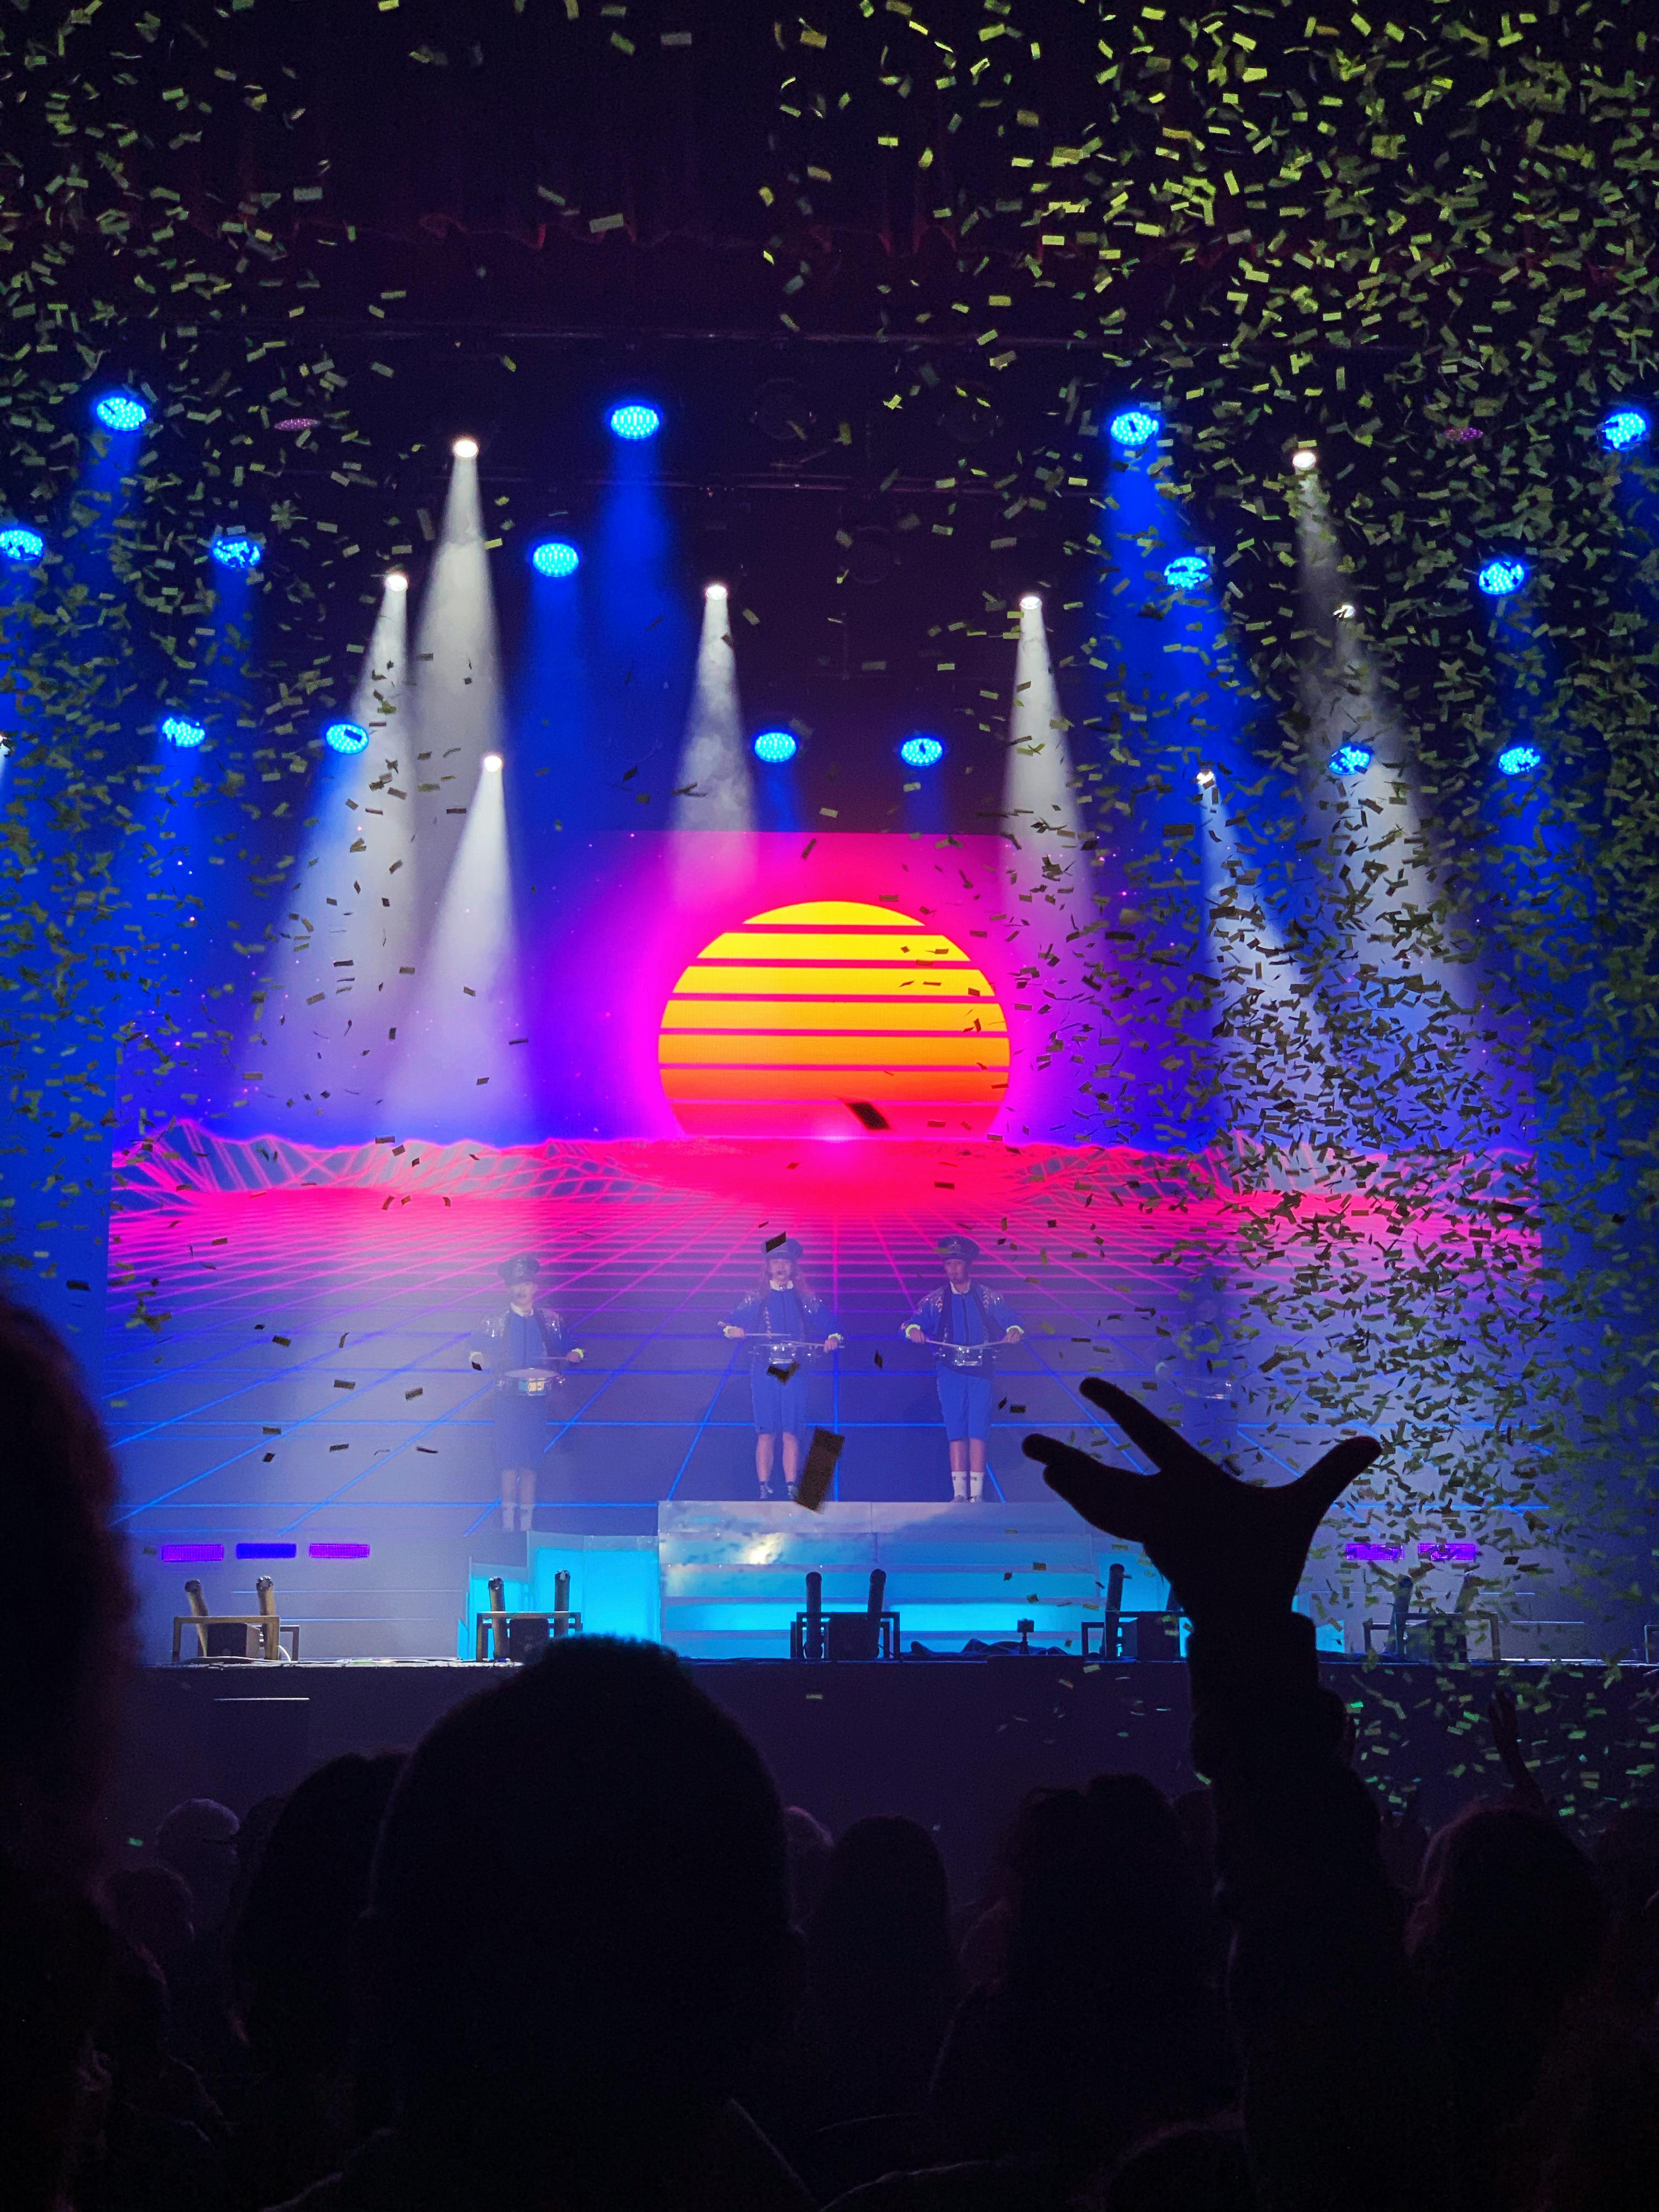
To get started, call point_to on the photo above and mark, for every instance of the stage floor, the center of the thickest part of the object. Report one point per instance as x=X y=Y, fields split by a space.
x=287 y=1354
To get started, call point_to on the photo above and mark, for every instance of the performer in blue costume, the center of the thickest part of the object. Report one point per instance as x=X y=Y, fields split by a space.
x=527 y=1349
x=784 y=1323
x=964 y=1322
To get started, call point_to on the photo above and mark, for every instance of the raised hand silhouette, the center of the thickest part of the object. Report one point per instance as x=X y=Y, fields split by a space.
x=1227 y=1547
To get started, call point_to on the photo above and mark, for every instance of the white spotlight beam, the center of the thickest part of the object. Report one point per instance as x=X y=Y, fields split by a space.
x=1403 y=986
x=460 y=1074
x=714 y=756
x=1039 y=797
x=1050 y=893
x=347 y=922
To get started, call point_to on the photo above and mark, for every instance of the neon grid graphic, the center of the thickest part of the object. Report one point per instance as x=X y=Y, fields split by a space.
x=307 y=1382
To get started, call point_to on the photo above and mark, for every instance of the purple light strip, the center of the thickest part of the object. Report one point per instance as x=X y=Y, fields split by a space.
x=338 y=1551
x=1458 y=1553
x=191 y=1555
x=1374 y=1553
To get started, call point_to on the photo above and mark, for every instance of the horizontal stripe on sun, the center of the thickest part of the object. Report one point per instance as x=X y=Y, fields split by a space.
x=830 y=945
x=898 y=983
x=843 y=910
x=760 y=1050
x=944 y=1085
x=861 y=1015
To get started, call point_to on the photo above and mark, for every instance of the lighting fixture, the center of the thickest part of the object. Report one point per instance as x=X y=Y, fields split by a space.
x=1350 y=759
x=1188 y=572
x=633 y=420
x=121 y=410
x=1503 y=574
x=776 y=746
x=1133 y=428
x=346 y=738
x=1519 y=760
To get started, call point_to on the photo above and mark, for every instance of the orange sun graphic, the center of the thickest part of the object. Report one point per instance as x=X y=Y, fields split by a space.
x=830 y=1019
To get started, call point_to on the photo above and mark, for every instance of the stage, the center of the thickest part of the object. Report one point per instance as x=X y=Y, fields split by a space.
x=290 y=1389
x=953 y=1743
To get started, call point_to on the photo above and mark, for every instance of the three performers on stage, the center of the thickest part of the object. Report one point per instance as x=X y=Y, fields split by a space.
x=784 y=1325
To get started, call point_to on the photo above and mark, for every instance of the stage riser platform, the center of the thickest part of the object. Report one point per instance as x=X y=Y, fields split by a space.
x=954 y=1744
x=727 y=1580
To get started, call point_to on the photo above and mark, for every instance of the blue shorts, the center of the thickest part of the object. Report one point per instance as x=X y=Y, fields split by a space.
x=780 y=1407
x=965 y=1398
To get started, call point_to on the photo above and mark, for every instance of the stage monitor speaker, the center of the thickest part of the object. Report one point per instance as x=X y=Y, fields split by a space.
x=526 y=1638
x=852 y=1635
x=1157 y=1635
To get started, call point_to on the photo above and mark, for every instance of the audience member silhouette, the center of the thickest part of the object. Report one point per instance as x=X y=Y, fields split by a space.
x=290 y=1952
x=197 y=1840
x=880 y=1980
x=879 y=1991
x=201 y=1841
x=578 y=1938
x=151 y=1906
x=66 y=1613
x=1508 y=1931
x=1103 y=2023
x=154 y=2143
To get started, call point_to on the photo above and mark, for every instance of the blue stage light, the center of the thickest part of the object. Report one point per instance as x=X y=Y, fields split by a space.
x=121 y=410
x=553 y=557
x=1350 y=759
x=1499 y=577
x=1132 y=427
x=19 y=542
x=346 y=736
x=1624 y=428
x=234 y=549
x=776 y=746
x=1519 y=760
x=184 y=730
x=1188 y=572
x=634 y=420
x=922 y=753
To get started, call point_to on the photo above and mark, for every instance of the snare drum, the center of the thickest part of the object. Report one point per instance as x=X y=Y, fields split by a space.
x=531 y=1382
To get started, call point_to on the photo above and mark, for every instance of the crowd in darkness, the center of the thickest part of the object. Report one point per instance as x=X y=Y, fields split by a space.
x=570 y=1952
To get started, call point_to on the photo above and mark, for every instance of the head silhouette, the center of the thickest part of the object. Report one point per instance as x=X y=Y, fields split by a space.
x=1508 y=1928
x=1103 y=1884
x=885 y=1914
x=65 y=1604
x=579 y=1906
x=291 y=1949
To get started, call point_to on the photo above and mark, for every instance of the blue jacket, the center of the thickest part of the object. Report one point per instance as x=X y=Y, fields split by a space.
x=492 y=1346
x=933 y=1317
x=751 y=1313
